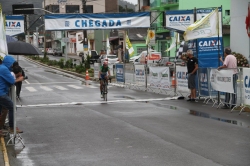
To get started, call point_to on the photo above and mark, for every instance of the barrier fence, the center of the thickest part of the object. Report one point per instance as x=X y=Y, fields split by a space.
x=211 y=84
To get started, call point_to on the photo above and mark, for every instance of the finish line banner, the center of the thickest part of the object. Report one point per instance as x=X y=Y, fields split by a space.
x=97 y=21
x=222 y=80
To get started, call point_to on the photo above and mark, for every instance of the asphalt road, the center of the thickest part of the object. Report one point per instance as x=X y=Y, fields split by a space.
x=66 y=123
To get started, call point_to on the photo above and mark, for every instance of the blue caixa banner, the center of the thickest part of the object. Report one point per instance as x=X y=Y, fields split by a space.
x=208 y=51
x=119 y=72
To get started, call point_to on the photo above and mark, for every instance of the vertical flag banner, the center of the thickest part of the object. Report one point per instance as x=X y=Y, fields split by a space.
x=3 y=43
x=147 y=39
x=205 y=27
x=89 y=48
x=107 y=46
x=174 y=40
x=129 y=47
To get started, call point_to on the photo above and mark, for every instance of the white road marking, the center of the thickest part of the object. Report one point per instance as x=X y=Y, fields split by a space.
x=55 y=83
x=96 y=102
x=27 y=82
x=74 y=86
x=46 y=88
x=31 y=89
x=60 y=88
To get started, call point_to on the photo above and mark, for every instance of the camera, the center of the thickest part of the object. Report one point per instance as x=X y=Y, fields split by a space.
x=25 y=78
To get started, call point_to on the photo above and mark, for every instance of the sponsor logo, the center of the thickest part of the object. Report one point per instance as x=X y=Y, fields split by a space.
x=180 y=18
x=247 y=82
x=209 y=43
x=13 y=24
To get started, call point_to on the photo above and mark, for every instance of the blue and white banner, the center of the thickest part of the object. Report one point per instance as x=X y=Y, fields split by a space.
x=181 y=79
x=140 y=77
x=179 y=20
x=208 y=51
x=119 y=72
x=97 y=21
x=205 y=87
x=246 y=86
x=14 y=25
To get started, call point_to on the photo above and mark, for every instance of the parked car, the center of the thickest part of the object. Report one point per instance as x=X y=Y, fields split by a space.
x=57 y=51
x=50 y=51
x=134 y=58
x=41 y=49
x=112 y=59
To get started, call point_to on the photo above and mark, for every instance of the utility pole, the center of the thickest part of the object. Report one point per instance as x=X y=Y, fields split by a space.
x=85 y=40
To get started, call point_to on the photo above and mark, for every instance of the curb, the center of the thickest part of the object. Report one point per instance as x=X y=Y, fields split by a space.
x=5 y=154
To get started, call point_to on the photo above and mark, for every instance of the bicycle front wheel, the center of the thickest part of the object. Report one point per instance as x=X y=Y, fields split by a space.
x=105 y=93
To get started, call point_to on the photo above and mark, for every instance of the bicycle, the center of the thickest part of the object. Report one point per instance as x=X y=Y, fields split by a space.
x=105 y=89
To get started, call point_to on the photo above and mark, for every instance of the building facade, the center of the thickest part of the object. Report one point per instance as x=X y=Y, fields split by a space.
x=96 y=37
x=159 y=7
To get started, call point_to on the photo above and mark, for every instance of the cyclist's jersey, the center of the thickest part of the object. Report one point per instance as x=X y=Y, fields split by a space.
x=104 y=70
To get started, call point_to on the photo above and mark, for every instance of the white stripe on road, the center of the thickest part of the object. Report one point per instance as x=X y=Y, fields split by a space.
x=31 y=89
x=46 y=88
x=27 y=82
x=97 y=102
x=76 y=87
x=60 y=88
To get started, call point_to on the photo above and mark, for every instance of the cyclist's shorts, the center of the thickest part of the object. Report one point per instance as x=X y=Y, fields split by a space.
x=103 y=76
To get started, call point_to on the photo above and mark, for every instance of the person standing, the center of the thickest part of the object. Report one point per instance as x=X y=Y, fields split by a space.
x=192 y=67
x=230 y=62
x=6 y=80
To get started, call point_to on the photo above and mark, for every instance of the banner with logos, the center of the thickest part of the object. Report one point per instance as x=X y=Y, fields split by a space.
x=208 y=47
x=97 y=21
x=159 y=77
x=179 y=19
x=96 y=69
x=182 y=79
x=205 y=87
x=119 y=72
x=140 y=74
x=222 y=80
x=246 y=86
x=14 y=25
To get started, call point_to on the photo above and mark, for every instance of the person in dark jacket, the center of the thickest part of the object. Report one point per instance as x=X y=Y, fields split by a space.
x=18 y=84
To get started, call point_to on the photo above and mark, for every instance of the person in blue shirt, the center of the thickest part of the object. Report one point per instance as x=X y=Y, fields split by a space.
x=6 y=81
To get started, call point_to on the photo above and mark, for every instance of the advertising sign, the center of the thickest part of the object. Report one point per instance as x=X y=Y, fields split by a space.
x=222 y=80
x=208 y=47
x=97 y=21
x=119 y=72
x=208 y=51
x=159 y=77
x=181 y=79
x=14 y=25
x=179 y=20
x=140 y=74
x=246 y=86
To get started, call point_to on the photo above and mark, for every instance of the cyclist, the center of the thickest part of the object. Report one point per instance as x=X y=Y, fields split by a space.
x=104 y=69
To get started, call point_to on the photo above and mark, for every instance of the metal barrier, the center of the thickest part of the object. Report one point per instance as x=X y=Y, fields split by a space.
x=204 y=87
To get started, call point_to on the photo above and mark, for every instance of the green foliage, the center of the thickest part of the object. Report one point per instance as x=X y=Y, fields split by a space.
x=87 y=62
x=69 y=63
x=80 y=68
x=61 y=63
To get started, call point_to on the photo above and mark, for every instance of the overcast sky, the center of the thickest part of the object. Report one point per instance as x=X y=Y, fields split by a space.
x=132 y=1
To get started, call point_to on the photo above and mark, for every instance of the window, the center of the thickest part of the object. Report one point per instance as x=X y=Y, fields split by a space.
x=227 y=12
x=72 y=9
x=89 y=9
x=53 y=8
